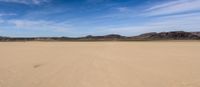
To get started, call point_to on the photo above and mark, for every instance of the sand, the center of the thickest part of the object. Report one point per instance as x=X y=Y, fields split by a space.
x=100 y=64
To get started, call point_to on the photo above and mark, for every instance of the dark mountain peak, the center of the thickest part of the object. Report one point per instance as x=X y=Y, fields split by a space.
x=174 y=35
x=196 y=33
x=147 y=35
x=113 y=36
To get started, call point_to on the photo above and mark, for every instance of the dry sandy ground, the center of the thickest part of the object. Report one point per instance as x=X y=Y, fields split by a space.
x=100 y=64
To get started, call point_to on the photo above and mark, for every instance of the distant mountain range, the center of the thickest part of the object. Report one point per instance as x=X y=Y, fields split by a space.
x=175 y=35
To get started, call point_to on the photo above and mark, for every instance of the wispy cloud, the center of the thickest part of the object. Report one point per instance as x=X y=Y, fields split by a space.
x=7 y=14
x=1 y=21
x=46 y=13
x=23 y=27
x=36 y=2
x=96 y=1
x=170 y=15
x=174 y=7
x=187 y=22
x=39 y=25
x=123 y=9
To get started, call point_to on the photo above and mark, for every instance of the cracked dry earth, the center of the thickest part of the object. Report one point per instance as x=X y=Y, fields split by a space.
x=100 y=64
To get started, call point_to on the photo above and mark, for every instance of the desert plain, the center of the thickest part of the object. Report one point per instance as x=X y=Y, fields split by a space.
x=100 y=64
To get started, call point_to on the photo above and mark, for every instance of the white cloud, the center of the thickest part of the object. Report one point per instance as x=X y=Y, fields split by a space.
x=39 y=25
x=36 y=28
x=186 y=22
x=96 y=1
x=7 y=14
x=1 y=21
x=123 y=9
x=36 y=2
x=176 y=6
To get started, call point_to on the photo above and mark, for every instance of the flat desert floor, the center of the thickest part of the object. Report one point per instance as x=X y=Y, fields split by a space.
x=100 y=64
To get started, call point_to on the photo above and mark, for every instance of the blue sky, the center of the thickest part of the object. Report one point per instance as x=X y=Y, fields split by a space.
x=96 y=17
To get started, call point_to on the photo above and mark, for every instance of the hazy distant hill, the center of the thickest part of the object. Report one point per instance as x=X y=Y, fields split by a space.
x=175 y=35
